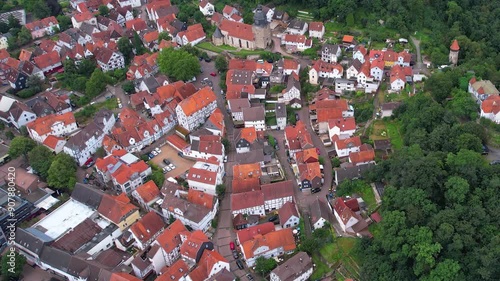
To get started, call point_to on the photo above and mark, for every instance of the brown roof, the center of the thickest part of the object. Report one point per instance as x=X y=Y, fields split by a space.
x=250 y=232
x=48 y=59
x=147 y=227
x=78 y=236
x=116 y=208
x=309 y=171
x=277 y=190
x=246 y=200
x=123 y=276
x=362 y=156
x=316 y=26
x=294 y=267
x=170 y=238
x=237 y=29
x=286 y=211
x=319 y=209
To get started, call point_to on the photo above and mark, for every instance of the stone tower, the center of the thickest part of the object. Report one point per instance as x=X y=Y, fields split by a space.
x=217 y=37
x=454 y=48
x=261 y=29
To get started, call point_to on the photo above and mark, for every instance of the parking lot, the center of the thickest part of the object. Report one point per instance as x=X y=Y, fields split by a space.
x=181 y=164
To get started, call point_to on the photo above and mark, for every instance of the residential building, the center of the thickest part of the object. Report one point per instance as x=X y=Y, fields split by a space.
x=296 y=43
x=342 y=85
x=329 y=109
x=146 y=229
x=351 y=171
x=297 y=268
x=193 y=247
x=353 y=70
x=48 y=62
x=228 y=11
x=365 y=155
x=482 y=89
x=320 y=213
x=118 y=210
x=387 y=108
x=397 y=78
x=268 y=245
x=359 y=52
x=377 y=69
x=321 y=69
x=197 y=210
x=289 y=66
x=281 y=115
x=292 y=91
x=309 y=175
x=45 y=26
x=131 y=3
x=125 y=170
x=192 y=36
x=342 y=128
x=108 y=59
x=215 y=123
x=15 y=112
x=344 y=147
x=4 y=44
x=255 y=117
x=297 y=138
x=347 y=214
x=490 y=108
x=289 y=215
x=193 y=111
x=316 y=29
x=210 y=263
x=205 y=176
x=206 y=8
x=169 y=243
x=55 y=125
x=206 y=147
x=249 y=233
x=330 y=53
x=177 y=271
x=236 y=107
x=246 y=177
x=79 y=18
x=297 y=27
x=277 y=194
x=249 y=203
x=147 y=195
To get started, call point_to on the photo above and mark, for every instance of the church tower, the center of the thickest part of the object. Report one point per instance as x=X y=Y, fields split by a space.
x=261 y=29
x=454 y=48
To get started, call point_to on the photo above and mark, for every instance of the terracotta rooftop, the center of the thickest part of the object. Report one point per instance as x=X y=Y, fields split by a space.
x=48 y=59
x=247 y=171
x=116 y=208
x=200 y=198
x=454 y=46
x=250 y=232
x=175 y=272
x=197 y=101
x=43 y=125
x=281 y=238
x=348 y=143
x=491 y=104
x=170 y=238
x=309 y=171
x=193 y=244
x=348 y=39
x=277 y=190
x=345 y=124
x=362 y=156
x=245 y=185
x=286 y=211
x=205 y=266
x=316 y=26
x=237 y=29
x=51 y=141
x=148 y=191
x=245 y=200
x=147 y=227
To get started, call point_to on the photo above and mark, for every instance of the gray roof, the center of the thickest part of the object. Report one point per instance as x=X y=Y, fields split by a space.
x=237 y=105
x=222 y=275
x=87 y=269
x=280 y=110
x=32 y=239
x=151 y=83
x=192 y=212
x=56 y=258
x=254 y=156
x=256 y=113
x=296 y=24
x=357 y=64
x=319 y=209
x=294 y=267
x=217 y=33
x=78 y=141
x=88 y=195
x=330 y=49
x=390 y=105
x=351 y=172
x=259 y=19
x=292 y=83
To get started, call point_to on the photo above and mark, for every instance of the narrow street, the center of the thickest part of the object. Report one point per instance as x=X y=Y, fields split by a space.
x=419 y=66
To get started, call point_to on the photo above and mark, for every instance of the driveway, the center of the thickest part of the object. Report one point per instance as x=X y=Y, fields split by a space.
x=419 y=67
x=181 y=164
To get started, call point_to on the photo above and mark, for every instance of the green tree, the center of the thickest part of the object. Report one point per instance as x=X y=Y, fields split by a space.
x=40 y=159
x=178 y=64
x=100 y=152
x=64 y=22
x=12 y=265
x=272 y=141
x=104 y=10
x=62 y=172
x=164 y=36
x=309 y=245
x=24 y=36
x=96 y=84
x=9 y=135
x=335 y=162
x=21 y=146
x=12 y=42
x=227 y=144
x=4 y=27
x=35 y=83
x=126 y=48
x=220 y=190
x=41 y=10
x=13 y=22
x=128 y=87
x=263 y=266
x=138 y=45
x=221 y=64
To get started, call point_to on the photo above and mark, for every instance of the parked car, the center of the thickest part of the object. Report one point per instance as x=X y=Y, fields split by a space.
x=297 y=117
x=171 y=166
x=315 y=190
x=151 y=156
x=318 y=151
x=235 y=254
x=495 y=162
x=158 y=150
x=273 y=218
x=249 y=277
x=207 y=59
x=166 y=161
x=225 y=159
x=166 y=169
x=231 y=246
x=180 y=154
x=239 y=264
x=277 y=147
x=213 y=74
x=486 y=150
x=154 y=152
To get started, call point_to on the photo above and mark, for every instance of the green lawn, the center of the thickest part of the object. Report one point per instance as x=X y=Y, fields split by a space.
x=88 y=111
x=320 y=270
x=219 y=49
x=341 y=251
x=394 y=134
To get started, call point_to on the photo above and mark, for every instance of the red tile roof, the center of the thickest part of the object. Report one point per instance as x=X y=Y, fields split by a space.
x=136 y=24
x=281 y=238
x=43 y=125
x=41 y=24
x=151 y=36
x=81 y=17
x=345 y=124
x=277 y=190
x=210 y=144
x=246 y=200
x=295 y=38
x=348 y=39
x=177 y=141
x=347 y=143
x=307 y=155
x=245 y=185
x=228 y=9
x=123 y=276
x=316 y=26
x=397 y=72
x=116 y=208
x=175 y=272
x=148 y=191
x=362 y=156
x=309 y=171
x=4 y=54
x=246 y=171
x=237 y=29
x=343 y=211
x=298 y=136
x=286 y=211
x=290 y=64
x=378 y=63
x=250 y=232
x=52 y=141
x=193 y=32
x=321 y=66
x=46 y=60
x=454 y=46
x=361 y=49
x=193 y=244
x=205 y=266
x=170 y=238
x=491 y=104
x=200 y=198
x=197 y=101
x=25 y=55
x=147 y=227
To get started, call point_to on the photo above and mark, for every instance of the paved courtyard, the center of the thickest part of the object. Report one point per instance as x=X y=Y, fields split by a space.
x=181 y=164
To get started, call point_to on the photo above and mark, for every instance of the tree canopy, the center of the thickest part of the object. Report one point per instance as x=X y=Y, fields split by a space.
x=21 y=146
x=62 y=172
x=13 y=270
x=178 y=64
x=40 y=159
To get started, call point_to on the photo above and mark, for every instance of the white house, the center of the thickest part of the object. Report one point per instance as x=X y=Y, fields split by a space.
x=346 y=217
x=236 y=107
x=320 y=213
x=316 y=29
x=330 y=53
x=277 y=194
x=169 y=242
x=206 y=8
x=205 y=176
x=292 y=91
x=344 y=147
x=146 y=229
x=321 y=69
x=359 y=53
x=397 y=79
x=297 y=268
x=53 y=124
x=288 y=215
x=255 y=117
x=3 y=42
x=344 y=85
x=295 y=42
x=354 y=69
x=248 y=203
x=207 y=147
x=297 y=27
x=482 y=89
x=192 y=36
x=109 y=60
x=490 y=108
x=343 y=128
x=193 y=111
x=19 y=114
x=377 y=69
x=131 y=3
x=281 y=115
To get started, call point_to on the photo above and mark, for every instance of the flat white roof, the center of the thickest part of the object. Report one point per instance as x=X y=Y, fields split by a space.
x=206 y=166
x=64 y=218
x=129 y=158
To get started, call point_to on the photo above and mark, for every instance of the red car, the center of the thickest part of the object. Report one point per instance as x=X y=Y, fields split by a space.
x=318 y=151
x=213 y=74
x=231 y=245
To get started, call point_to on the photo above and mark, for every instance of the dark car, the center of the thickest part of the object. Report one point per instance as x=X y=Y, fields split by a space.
x=249 y=277
x=235 y=254
x=180 y=154
x=495 y=162
x=277 y=147
x=207 y=59
x=315 y=190
x=297 y=117
x=486 y=150
x=166 y=161
x=239 y=264
x=273 y=218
